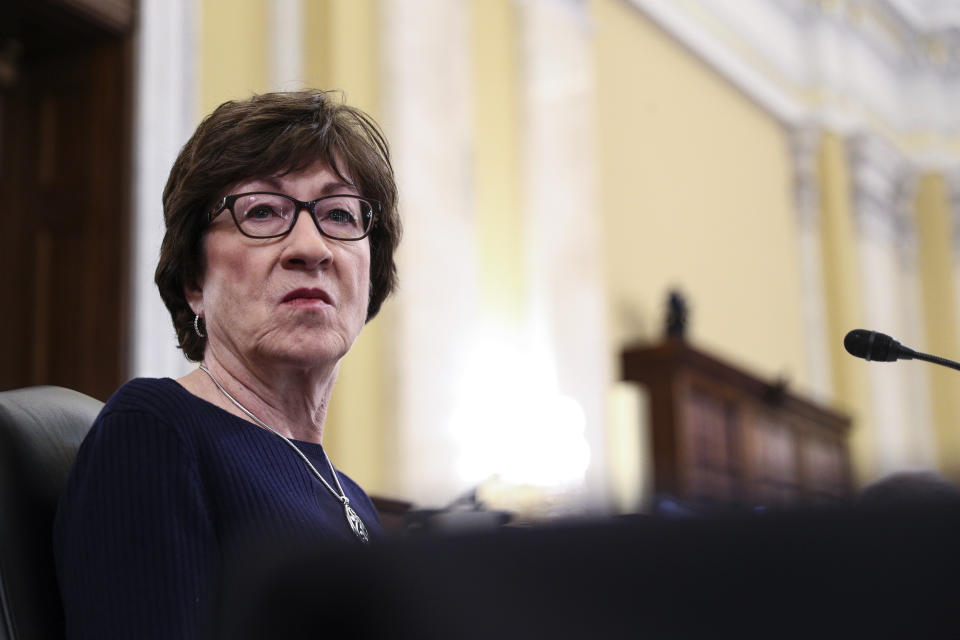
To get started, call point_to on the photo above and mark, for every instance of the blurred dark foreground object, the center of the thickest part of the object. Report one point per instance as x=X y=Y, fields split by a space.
x=911 y=488
x=838 y=574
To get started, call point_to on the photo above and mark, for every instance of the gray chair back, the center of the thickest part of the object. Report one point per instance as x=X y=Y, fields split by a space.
x=41 y=429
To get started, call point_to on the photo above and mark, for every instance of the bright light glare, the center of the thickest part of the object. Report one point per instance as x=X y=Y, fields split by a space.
x=510 y=421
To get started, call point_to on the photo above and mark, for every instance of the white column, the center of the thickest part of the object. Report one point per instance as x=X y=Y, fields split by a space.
x=566 y=309
x=883 y=188
x=285 y=37
x=427 y=117
x=164 y=119
x=805 y=144
x=920 y=434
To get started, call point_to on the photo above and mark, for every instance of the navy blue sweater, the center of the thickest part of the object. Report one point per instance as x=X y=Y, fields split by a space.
x=164 y=486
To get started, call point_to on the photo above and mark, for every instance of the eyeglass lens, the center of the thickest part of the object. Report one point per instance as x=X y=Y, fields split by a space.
x=265 y=214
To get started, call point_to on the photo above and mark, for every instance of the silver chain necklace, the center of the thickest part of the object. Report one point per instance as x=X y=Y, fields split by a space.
x=356 y=524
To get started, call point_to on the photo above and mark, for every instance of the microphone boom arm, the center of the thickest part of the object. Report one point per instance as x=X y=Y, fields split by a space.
x=936 y=360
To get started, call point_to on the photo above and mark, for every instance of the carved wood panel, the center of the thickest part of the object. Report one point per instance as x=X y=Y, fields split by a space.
x=723 y=437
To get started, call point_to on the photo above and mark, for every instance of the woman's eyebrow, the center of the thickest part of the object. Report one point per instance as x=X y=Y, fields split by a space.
x=337 y=186
x=271 y=183
x=275 y=184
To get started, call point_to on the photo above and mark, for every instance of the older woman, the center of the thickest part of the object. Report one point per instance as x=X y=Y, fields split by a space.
x=281 y=228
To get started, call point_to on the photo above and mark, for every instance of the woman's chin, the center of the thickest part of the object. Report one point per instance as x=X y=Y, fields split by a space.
x=309 y=354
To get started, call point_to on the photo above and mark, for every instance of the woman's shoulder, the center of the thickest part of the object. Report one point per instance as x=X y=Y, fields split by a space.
x=153 y=406
x=142 y=420
x=154 y=396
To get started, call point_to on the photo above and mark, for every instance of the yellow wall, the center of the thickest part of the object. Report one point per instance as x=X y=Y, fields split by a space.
x=341 y=40
x=233 y=51
x=696 y=193
x=935 y=236
x=497 y=170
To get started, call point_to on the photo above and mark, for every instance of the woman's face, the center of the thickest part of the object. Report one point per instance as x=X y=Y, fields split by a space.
x=300 y=299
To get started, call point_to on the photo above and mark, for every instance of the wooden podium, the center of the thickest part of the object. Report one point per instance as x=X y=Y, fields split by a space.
x=724 y=438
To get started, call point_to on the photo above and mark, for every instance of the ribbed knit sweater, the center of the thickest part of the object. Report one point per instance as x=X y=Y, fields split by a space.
x=164 y=487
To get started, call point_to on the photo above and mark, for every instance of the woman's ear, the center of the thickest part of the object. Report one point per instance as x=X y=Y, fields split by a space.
x=194 y=295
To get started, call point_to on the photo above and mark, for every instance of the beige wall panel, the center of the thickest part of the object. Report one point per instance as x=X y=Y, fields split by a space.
x=342 y=49
x=500 y=227
x=233 y=51
x=317 y=61
x=696 y=193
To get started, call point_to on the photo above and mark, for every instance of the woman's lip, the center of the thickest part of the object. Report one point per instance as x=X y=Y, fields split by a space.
x=314 y=303
x=307 y=296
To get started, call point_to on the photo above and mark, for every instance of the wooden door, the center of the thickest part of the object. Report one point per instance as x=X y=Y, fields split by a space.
x=64 y=201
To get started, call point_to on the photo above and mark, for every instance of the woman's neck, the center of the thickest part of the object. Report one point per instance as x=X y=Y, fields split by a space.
x=291 y=400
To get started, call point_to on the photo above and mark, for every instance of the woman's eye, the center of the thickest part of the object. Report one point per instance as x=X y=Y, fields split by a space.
x=340 y=216
x=261 y=212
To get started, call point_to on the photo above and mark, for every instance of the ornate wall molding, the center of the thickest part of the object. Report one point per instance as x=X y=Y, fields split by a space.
x=851 y=65
x=884 y=187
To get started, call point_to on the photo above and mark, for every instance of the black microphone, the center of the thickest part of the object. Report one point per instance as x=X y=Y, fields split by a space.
x=872 y=345
x=879 y=347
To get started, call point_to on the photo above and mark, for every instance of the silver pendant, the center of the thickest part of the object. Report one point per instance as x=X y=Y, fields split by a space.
x=356 y=524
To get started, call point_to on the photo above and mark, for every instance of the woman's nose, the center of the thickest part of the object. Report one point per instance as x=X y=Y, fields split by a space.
x=306 y=247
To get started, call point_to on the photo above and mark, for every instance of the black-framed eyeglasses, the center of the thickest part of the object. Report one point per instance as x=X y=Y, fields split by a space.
x=263 y=214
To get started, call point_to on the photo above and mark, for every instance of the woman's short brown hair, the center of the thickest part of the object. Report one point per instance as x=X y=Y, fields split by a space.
x=267 y=135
